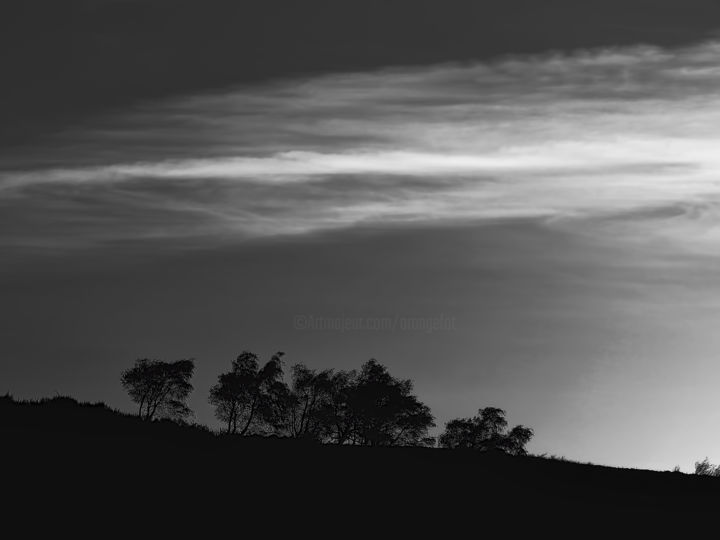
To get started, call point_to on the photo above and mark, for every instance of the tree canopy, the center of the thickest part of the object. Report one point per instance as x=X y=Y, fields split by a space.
x=368 y=408
x=486 y=431
x=384 y=411
x=160 y=388
x=246 y=397
x=307 y=403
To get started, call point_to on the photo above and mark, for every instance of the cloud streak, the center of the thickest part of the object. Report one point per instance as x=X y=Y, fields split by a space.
x=561 y=138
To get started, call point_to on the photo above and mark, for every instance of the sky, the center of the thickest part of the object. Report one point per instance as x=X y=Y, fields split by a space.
x=524 y=218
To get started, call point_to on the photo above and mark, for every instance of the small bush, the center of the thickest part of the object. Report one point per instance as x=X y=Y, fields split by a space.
x=705 y=468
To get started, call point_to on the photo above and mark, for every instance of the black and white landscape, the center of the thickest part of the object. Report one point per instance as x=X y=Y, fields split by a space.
x=416 y=243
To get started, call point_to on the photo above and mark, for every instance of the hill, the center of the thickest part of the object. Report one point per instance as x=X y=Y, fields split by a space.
x=87 y=466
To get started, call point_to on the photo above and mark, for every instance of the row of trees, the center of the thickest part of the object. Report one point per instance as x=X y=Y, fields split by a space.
x=360 y=407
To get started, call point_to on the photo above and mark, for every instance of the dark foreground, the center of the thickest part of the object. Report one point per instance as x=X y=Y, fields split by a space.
x=78 y=468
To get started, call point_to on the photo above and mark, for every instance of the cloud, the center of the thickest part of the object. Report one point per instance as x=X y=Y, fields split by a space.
x=562 y=138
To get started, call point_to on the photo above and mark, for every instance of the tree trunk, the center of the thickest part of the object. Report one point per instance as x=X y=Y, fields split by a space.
x=250 y=418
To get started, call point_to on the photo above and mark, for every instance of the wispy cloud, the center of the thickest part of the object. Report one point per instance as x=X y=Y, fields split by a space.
x=559 y=137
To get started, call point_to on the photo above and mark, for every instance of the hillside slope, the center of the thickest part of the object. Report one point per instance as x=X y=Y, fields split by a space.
x=89 y=466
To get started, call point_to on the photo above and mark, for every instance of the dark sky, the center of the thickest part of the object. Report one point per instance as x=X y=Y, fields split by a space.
x=191 y=179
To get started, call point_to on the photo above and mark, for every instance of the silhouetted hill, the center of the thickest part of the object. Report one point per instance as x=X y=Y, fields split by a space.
x=85 y=466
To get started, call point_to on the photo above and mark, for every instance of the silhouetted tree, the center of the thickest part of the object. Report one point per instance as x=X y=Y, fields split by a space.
x=160 y=388
x=516 y=440
x=383 y=411
x=310 y=395
x=486 y=431
x=248 y=397
x=336 y=415
x=231 y=394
